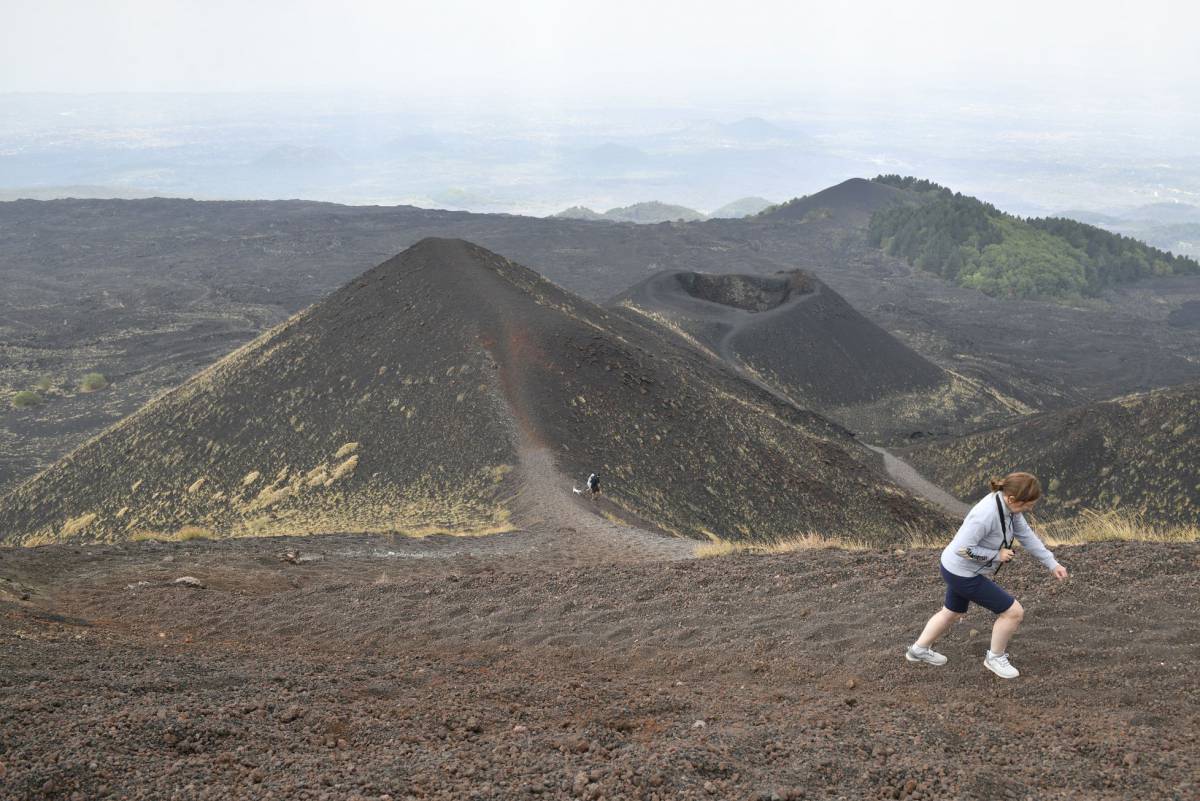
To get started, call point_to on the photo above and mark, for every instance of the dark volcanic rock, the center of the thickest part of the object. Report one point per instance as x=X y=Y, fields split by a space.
x=413 y=397
x=593 y=677
x=147 y=292
x=854 y=199
x=798 y=336
x=1135 y=454
x=1186 y=316
x=792 y=328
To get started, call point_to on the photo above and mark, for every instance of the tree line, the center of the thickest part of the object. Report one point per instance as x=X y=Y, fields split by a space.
x=974 y=244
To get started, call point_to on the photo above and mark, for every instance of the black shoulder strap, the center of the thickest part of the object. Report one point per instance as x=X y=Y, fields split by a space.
x=1007 y=543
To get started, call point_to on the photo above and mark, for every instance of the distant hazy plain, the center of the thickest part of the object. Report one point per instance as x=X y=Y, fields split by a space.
x=1114 y=164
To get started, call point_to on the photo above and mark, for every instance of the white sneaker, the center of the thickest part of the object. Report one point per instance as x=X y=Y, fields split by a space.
x=922 y=653
x=999 y=664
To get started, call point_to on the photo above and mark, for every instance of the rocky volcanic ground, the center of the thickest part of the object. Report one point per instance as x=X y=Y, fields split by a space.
x=576 y=664
x=149 y=292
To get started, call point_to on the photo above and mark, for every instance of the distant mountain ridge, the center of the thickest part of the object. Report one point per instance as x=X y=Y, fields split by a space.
x=649 y=212
x=653 y=211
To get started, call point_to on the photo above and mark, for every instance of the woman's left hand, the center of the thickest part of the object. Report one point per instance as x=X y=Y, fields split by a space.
x=1060 y=572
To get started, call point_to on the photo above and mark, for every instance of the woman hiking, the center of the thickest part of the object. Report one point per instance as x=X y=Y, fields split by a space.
x=983 y=543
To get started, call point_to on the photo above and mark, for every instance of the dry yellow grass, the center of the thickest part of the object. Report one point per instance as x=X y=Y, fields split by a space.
x=428 y=531
x=1088 y=526
x=76 y=525
x=184 y=534
x=1093 y=526
x=801 y=542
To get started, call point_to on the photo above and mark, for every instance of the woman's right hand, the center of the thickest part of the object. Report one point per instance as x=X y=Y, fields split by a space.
x=1005 y=554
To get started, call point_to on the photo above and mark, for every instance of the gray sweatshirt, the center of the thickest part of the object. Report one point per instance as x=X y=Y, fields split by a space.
x=974 y=549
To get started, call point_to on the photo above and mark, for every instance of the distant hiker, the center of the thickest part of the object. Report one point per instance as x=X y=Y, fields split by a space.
x=592 y=486
x=983 y=543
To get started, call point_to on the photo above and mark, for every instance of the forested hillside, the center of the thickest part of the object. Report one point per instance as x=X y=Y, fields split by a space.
x=976 y=245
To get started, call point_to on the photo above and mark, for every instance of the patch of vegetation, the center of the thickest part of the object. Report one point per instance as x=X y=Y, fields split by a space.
x=193 y=533
x=1093 y=526
x=185 y=534
x=801 y=542
x=26 y=399
x=1087 y=526
x=44 y=384
x=93 y=382
x=974 y=244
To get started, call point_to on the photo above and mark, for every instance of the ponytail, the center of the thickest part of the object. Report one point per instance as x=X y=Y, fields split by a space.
x=1021 y=486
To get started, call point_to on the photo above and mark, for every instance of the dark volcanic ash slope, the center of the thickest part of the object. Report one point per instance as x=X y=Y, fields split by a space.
x=799 y=336
x=412 y=397
x=148 y=292
x=852 y=201
x=1136 y=453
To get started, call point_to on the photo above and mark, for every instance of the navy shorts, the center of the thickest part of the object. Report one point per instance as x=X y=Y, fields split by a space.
x=960 y=591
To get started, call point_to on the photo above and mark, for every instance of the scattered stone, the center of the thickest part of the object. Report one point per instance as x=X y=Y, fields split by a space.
x=581 y=782
x=189 y=581
x=137 y=585
x=851 y=684
x=298 y=558
x=699 y=724
x=292 y=713
x=519 y=729
x=1131 y=759
x=973 y=633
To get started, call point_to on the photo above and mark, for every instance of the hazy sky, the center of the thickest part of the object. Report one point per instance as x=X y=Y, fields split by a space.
x=1091 y=53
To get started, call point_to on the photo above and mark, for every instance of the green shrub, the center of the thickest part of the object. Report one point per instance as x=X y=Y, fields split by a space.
x=26 y=400
x=93 y=382
x=44 y=384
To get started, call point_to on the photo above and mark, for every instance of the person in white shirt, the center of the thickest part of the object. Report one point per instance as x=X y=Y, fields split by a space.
x=983 y=543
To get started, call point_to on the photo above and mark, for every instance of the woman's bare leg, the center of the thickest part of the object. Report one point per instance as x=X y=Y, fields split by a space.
x=938 y=625
x=1005 y=626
